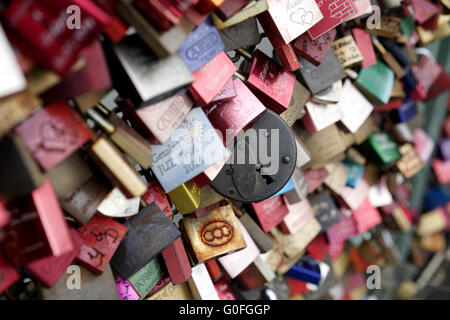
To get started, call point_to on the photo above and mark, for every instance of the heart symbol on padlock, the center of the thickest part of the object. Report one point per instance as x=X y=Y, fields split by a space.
x=301 y=16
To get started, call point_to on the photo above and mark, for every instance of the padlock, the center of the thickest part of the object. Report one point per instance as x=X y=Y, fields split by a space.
x=353 y=197
x=259 y=237
x=334 y=13
x=300 y=190
x=296 y=109
x=186 y=197
x=315 y=178
x=299 y=214
x=337 y=176
x=366 y=216
x=40 y=212
x=15 y=108
x=149 y=233
x=256 y=275
x=160 y=285
x=261 y=181
x=139 y=75
x=200 y=284
x=427 y=72
x=379 y=91
x=15 y=82
x=8 y=275
x=161 y=119
x=124 y=136
x=48 y=270
x=172 y=292
x=201 y=45
x=112 y=163
x=307 y=270
x=294 y=244
x=101 y=236
x=156 y=194
x=162 y=14
x=211 y=78
x=405 y=112
x=441 y=170
x=347 y=51
x=163 y=44
x=444 y=149
x=145 y=279
x=177 y=262
x=400 y=55
x=209 y=197
x=17 y=159
x=82 y=202
x=234 y=263
x=57 y=50
x=214 y=234
x=269 y=82
x=431 y=222
x=331 y=94
x=389 y=59
x=355 y=173
x=325 y=210
x=318 y=248
x=93 y=76
x=389 y=27
x=285 y=21
x=232 y=117
x=195 y=145
x=252 y=9
x=116 y=205
x=410 y=163
x=343 y=230
x=320 y=77
x=381 y=149
x=69 y=174
x=224 y=290
x=365 y=46
x=241 y=35
x=424 y=10
x=53 y=134
x=320 y=116
x=228 y=92
x=314 y=50
x=214 y=270
x=126 y=290
x=379 y=194
x=228 y=8
x=91 y=286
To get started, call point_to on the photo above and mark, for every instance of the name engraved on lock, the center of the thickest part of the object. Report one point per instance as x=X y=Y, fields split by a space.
x=216 y=233
x=202 y=46
x=172 y=115
x=55 y=135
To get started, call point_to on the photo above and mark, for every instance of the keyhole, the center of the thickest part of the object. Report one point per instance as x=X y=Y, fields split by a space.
x=267 y=179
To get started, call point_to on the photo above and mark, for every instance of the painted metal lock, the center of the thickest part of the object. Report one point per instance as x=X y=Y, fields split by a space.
x=241 y=35
x=37 y=228
x=406 y=112
x=296 y=109
x=53 y=134
x=320 y=77
x=249 y=175
x=101 y=237
x=334 y=12
x=252 y=9
x=262 y=241
x=382 y=149
x=307 y=270
x=365 y=46
x=234 y=116
x=38 y=38
x=48 y=270
x=270 y=212
x=410 y=163
x=320 y=116
x=145 y=279
x=224 y=290
x=201 y=45
x=332 y=94
x=200 y=284
x=325 y=210
x=227 y=9
x=116 y=205
x=269 y=82
x=299 y=214
x=366 y=216
x=139 y=75
x=355 y=173
x=211 y=78
x=161 y=119
x=149 y=233
x=156 y=194
x=284 y=21
x=210 y=174
x=347 y=51
x=444 y=149
x=376 y=82
x=177 y=262
x=353 y=197
x=314 y=50
x=214 y=234
x=195 y=146
x=343 y=230
x=8 y=275
x=186 y=197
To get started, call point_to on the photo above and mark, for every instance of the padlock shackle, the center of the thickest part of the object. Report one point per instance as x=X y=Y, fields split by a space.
x=94 y=115
x=244 y=53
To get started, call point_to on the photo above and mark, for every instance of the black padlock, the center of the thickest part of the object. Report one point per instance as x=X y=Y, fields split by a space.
x=259 y=176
